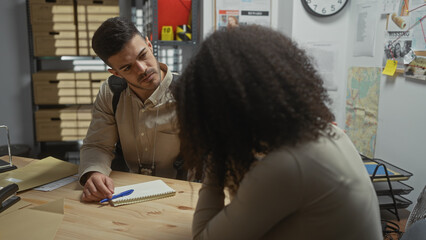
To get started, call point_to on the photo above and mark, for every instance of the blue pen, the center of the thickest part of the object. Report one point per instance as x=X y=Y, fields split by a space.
x=125 y=193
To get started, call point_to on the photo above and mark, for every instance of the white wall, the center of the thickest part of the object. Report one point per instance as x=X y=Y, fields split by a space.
x=401 y=134
x=207 y=14
x=307 y=28
x=15 y=91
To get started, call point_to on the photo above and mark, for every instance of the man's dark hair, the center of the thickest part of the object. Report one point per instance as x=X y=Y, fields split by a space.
x=248 y=90
x=111 y=37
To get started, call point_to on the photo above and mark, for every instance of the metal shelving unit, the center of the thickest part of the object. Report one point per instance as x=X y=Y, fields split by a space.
x=195 y=26
x=33 y=66
x=151 y=29
x=38 y=63
x=65 y=149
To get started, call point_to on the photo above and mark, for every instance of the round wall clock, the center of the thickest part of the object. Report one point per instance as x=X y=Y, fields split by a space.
x=324 y=8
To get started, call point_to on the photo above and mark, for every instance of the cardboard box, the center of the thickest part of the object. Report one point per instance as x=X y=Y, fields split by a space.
x=48 y=46
x=97 y=78
x=63 y=124
x=82 y=84
x=92 y=18
x=82 y=80
x=95 y=92
x=48 y=42
x=86 y=9
x=40 y=13
x=53 y=97
x=97 y=2
x=83 y=43
x=51 y=87
x=84 y=99
x=64 y=34
x=60 y=15
x=102 y=76
x=41 y=51
x=56 y=87
x=90 y=15
x=96 y=84
x=56 y=124
x=96 y=9
x=53 y=26
x=83 y=92
x=82 y=131
x=87 y=35
x=53 y=75
x=54 y=43
x=84 y=51
x=84 y=113
x=84 y=26
x=56 y=2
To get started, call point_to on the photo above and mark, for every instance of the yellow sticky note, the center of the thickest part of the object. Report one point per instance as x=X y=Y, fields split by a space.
x=390 y=67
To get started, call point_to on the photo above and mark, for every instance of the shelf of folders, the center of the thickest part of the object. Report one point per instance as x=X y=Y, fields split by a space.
x=386 y=179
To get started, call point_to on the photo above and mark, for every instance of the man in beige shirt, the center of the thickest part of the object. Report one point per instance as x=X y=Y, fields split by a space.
x=144 y=121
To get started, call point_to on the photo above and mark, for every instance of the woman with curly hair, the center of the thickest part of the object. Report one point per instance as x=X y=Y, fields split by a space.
x=254 y=121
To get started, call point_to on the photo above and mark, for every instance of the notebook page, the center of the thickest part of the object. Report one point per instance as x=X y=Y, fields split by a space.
x=143 y=192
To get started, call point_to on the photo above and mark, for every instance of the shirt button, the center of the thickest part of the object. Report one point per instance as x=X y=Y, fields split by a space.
x=143 y=110
x=146 y=149
x=142 y=134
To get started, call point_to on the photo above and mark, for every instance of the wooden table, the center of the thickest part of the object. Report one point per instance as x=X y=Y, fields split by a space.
x=168 y=218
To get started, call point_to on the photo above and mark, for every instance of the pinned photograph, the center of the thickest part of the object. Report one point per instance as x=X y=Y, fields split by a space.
x=416 y=69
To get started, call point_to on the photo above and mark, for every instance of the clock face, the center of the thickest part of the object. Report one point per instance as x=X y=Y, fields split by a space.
x=324 y=8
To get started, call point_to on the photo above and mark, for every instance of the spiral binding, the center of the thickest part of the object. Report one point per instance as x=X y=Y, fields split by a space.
x=130 y=200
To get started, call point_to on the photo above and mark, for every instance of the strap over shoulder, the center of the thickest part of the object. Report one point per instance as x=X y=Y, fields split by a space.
x=116 y=84
x=175 y=79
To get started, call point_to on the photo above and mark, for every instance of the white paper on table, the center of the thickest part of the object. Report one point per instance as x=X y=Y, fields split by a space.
x=57 y=184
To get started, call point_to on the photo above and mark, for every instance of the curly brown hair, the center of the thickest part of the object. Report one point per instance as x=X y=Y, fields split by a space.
x=247 y=91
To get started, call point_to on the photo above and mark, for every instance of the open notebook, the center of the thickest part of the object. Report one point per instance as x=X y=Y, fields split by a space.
x=145 y=191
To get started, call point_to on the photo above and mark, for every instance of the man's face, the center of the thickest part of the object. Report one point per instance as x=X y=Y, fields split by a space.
x=136 y=63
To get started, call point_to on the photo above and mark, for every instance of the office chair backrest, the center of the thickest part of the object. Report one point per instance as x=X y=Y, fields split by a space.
x=419 y=210
x=416 y=231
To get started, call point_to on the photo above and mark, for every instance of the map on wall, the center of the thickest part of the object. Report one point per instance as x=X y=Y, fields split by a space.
x=362 y=103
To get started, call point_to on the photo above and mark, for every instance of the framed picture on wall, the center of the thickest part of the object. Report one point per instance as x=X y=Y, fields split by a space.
x=232 y=13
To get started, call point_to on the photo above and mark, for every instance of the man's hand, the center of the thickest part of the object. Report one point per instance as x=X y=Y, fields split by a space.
x=98 y=186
